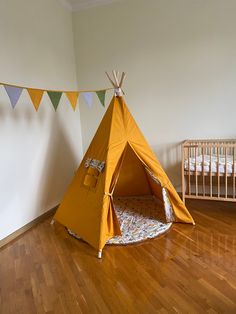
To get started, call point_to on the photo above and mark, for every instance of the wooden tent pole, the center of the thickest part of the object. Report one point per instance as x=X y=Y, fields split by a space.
x=110 y=80
x=115 y=78
x=100 y=254
x=122 y=78
x=115 y=82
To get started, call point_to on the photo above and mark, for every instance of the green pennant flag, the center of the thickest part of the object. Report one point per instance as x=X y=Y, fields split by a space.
x=55 y=98
x=101 y=96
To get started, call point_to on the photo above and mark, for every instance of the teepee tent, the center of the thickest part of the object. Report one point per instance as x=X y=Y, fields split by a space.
x=118 y=161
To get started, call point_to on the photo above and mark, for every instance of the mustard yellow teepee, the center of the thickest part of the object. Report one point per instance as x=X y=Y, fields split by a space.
x=118 y=161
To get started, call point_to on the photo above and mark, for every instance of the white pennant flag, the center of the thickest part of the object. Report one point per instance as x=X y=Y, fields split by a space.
x=88 y=97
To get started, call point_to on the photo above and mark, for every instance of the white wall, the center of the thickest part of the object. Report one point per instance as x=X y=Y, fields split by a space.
x=180 y=59
x=39 y=151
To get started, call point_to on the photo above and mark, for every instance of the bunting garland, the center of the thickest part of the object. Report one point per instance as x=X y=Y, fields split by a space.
x=14 y=92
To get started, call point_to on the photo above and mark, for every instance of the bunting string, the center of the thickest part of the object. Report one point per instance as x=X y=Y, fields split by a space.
x=36 y=94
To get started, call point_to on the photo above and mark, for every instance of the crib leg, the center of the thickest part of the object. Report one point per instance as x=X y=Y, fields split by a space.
x=183 y=187
x=100 y=254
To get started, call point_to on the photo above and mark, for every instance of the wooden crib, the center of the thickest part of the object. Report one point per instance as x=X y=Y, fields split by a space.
x=209 y=169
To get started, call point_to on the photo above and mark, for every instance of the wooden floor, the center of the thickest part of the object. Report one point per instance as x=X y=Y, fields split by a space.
x=188 y=270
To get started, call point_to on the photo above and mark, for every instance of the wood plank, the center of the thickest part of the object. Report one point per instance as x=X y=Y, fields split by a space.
x=213 y=198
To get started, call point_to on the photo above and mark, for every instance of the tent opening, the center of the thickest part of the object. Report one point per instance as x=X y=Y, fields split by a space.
x=138 y=202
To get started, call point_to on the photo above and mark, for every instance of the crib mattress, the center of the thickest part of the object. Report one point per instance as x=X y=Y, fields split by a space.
x=210 y=163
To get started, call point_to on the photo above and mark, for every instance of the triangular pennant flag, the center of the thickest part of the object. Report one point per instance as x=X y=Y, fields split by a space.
x=73 y=98
x=101 y=96
x=13 y=94
x=55 y=98
x=88 y=96
x=36 y=96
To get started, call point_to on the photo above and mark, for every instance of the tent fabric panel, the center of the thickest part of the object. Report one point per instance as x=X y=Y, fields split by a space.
x=132 y=178
x=110 y=225
x=117 y=132
x=100 y=141
x=110 y=228
x=81 y=210
x=162 y=196
x=155 y=187
x=147 y=156
x=149 y=159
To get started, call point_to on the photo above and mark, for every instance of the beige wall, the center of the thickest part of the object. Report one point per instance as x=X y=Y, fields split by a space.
x=181 y=68
x=39 y=151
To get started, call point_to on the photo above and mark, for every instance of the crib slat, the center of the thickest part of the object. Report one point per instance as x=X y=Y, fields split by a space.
x=233 y=172
x=218 y=173
x=210 y=172
x=196 y=183
x=203 y=170
x=226 y=185
x=189 y=185
x=183 y=175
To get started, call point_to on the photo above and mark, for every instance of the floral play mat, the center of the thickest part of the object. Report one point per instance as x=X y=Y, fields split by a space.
x=140 y=218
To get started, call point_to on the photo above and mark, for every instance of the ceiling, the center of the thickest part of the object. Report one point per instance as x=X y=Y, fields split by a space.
x=77 y=5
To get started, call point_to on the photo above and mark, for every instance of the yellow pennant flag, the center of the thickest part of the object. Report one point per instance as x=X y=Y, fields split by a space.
x=36 y=96
x=73 y=98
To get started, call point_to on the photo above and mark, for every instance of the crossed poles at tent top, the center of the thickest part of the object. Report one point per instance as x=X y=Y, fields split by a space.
x=116 y=82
